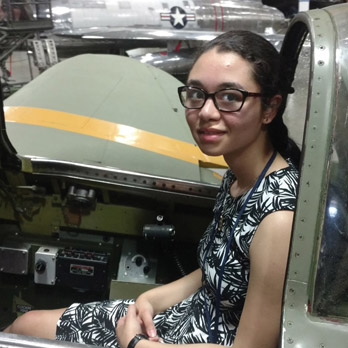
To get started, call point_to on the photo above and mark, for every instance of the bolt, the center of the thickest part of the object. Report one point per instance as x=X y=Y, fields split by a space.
x=290 y=340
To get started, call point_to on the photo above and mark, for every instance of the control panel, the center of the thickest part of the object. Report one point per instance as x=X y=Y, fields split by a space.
x=82 y=269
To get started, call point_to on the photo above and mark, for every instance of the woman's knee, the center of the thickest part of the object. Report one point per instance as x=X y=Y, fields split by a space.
x=23 y=324
x=38 y=323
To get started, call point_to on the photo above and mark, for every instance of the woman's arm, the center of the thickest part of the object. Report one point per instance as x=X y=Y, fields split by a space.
x=159 y=299
x=170 y=294
x=259 y=326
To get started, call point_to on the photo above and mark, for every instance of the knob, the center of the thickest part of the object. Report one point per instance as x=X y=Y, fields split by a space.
x=40 y=266
x=138 y=261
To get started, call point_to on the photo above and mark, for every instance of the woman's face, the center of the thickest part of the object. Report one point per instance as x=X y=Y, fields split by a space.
x=225 y=133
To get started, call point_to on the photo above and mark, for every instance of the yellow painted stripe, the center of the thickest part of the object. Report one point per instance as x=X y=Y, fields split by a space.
x=113 y=132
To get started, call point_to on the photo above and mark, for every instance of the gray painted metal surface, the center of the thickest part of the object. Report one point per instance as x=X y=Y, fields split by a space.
x=19 y=341
x=120 y=91
x=300 y=327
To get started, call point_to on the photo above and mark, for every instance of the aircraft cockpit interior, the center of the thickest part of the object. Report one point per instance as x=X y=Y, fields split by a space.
x=104 y=194
x=108 y=194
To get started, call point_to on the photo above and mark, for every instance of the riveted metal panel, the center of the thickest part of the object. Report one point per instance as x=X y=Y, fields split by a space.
x=300 y=327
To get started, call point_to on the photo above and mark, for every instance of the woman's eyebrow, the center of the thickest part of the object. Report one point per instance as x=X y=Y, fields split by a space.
x=230 y=85
x=198 y=83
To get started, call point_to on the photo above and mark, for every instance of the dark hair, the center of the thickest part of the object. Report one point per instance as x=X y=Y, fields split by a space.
x=266 y=69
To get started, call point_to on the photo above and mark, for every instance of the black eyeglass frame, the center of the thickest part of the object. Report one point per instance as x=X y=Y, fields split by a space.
x=207 y=95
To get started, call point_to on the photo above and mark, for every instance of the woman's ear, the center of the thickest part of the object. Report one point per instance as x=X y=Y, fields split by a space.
x=271 y=109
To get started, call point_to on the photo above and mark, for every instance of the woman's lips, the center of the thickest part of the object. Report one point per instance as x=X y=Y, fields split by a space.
x=210 y=134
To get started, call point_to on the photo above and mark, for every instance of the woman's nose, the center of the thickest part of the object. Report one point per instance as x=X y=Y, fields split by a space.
x=209 y=110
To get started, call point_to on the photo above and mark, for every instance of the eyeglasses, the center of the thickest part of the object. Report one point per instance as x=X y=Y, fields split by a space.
x=227 y=99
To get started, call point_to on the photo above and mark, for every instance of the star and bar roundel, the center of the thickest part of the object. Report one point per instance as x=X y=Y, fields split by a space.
x=178 y=17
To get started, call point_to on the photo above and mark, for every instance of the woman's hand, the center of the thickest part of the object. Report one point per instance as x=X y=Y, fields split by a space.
x=145 y=314
x=128 y=326
x=139 y=318
x=135 y=322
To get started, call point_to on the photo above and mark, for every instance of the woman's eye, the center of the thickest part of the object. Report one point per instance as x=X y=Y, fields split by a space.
x=195 y=95
x=230 y=97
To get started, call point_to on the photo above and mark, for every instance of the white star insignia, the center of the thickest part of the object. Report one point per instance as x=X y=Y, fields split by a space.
x=178 y=17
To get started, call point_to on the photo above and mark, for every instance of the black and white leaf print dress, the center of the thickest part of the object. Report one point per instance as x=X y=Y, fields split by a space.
x=95 y=323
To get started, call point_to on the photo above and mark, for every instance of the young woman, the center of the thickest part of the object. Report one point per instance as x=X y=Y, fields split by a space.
x=234 y=102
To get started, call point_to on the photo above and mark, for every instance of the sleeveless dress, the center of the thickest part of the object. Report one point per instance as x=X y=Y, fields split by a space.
x=187 y=322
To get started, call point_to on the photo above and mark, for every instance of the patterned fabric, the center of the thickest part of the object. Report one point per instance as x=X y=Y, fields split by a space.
x=184 y=323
